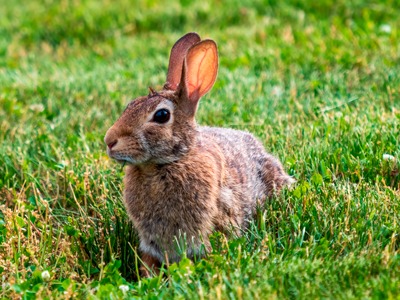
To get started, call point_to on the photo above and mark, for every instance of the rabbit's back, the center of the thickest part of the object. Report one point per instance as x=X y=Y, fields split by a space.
x=251 y=173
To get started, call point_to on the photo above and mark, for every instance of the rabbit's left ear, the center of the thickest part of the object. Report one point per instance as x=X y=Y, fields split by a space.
x=177 y=57
x=200 y=70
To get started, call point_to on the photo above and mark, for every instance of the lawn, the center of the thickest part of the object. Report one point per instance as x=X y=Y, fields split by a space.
x=318 y=82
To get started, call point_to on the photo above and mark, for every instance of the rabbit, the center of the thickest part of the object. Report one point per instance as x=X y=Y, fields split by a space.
x=185 y=180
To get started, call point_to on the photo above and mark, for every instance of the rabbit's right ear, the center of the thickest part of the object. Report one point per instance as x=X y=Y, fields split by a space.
x=199 y=72
x=177 y=56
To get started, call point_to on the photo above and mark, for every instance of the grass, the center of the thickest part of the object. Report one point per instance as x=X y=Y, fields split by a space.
x=316 y=81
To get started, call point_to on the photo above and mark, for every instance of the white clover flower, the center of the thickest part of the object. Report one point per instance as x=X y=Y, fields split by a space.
x=388 y=157
x=386 y=28
x=124 y=288
x=45 y=275
x=277 y=90
x=37 y=107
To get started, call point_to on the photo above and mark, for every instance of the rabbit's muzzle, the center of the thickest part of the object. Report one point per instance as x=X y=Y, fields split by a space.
x=124 y=148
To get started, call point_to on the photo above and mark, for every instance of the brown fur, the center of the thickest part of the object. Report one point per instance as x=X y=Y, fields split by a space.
x=184 y=181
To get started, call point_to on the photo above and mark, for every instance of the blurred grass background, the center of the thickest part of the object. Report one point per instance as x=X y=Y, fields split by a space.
x=316 y=81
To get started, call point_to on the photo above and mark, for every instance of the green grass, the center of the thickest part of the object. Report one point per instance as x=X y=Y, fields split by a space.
x=316 y=81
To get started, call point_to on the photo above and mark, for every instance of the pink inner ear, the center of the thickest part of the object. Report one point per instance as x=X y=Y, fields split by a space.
x=202 y=68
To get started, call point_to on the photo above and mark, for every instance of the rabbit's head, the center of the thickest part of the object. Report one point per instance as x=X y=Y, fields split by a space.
x=160 y=127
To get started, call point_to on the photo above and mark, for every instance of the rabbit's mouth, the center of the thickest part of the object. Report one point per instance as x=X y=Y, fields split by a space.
x=124 y=160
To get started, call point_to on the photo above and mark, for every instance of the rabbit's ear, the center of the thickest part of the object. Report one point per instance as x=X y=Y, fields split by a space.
x=200 y=70
x=177 y=57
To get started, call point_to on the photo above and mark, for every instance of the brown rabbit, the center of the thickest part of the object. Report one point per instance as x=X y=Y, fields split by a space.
x=183 y=179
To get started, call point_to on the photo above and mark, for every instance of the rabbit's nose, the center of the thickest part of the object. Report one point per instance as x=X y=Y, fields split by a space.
x=110 y=138
x=112 y=144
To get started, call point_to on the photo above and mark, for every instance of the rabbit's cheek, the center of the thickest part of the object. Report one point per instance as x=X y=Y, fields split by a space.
x=157 y=136
x=142 y=144
x=156 y=133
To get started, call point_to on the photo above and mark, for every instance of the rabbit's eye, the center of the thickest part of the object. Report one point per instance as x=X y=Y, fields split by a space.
x=161 y=116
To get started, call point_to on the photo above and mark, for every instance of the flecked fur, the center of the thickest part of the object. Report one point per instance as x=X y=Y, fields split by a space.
x=185 y=180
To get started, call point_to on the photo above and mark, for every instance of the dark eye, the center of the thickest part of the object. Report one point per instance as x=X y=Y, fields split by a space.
x=161 y=116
